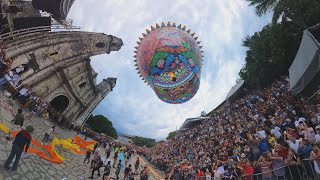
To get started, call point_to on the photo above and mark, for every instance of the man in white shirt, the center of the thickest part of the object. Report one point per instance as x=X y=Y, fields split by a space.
x=23 y=95
x=19 y=69
x=276 y=131
x=23 y=91
x=308 y=133
x=293 y=143
x=14 y=78
x=221 y=169
x=297 y=122
x=261 y=133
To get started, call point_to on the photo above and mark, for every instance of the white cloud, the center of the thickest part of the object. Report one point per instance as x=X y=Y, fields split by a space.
x=133 y=107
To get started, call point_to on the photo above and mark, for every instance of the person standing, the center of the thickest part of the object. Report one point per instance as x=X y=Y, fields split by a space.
x=96 y=167
x=136 y=165
x=108 y=152
x=87 y=158
x=127 y=171
x=107 y=170
x=3 y=71
x=23 y=139
x=19 y=119
x=48 y=133
x=95 y=146
x=18 y=122
x=118 y=170
x=115 y=157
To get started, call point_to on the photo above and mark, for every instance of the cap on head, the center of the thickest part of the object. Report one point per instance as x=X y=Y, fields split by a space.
x=29 y=129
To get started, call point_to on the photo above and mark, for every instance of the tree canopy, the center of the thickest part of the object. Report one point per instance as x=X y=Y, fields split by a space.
x=303 y=13
x=141 y=141
x=270 y=53
x=101 y=124
x=171 y=135
x=272 y=50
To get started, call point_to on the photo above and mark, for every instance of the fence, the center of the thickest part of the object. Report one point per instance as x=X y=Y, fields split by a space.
x=31 y=30
x=303 y=171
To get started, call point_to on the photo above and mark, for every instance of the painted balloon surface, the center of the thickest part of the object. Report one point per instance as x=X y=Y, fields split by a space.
x=169 y=59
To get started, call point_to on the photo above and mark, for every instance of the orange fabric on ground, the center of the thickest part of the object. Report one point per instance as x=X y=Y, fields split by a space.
x=84 y=144
x=55 y=157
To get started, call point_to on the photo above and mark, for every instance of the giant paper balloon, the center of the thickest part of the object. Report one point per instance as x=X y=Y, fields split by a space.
x=169 y=59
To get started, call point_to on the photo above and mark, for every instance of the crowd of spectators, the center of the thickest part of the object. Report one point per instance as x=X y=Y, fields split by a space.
x=268 y=132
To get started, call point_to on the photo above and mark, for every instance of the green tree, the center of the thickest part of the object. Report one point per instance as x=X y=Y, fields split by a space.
x=303 y=13
x=270 y=53
x=101 y=124
x=272 y=50
x=141 y=141
x=171 y=135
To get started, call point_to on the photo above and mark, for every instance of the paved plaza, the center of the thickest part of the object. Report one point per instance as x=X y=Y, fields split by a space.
x=33 y=167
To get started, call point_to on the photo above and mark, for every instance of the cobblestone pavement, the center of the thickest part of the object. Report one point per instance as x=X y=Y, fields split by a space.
x=33 y=167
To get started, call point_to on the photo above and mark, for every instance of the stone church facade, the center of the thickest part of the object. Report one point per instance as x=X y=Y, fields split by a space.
x=59 y=70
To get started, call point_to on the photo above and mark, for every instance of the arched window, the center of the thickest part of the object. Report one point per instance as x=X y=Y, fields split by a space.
x=82 y=85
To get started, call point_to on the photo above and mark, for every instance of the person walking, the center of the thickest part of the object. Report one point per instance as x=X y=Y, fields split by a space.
x=96 y=167
x=118 y=170
x=107 y=170
x=23 y=139
x=87 y=158
x=48 y=133
x=115 y=157
x=127 y=171
x=108 y=152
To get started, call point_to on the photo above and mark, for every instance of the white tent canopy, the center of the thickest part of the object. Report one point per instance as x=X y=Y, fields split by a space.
x=306 y=64
x=188 y=123
x=235 y=89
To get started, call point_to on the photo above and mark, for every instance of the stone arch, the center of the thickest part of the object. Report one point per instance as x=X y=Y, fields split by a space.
x=60 y=103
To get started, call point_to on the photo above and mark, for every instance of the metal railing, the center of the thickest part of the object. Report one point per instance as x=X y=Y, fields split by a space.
x=32 y=30
x=303 y=171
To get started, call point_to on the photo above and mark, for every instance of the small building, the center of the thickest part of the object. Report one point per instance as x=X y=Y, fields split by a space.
x=125 y=139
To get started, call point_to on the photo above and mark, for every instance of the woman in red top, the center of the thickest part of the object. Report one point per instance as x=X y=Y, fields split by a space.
x=247 y=170
x=199 y=174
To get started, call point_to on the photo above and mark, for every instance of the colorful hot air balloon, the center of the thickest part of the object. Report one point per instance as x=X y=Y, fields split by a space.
x=169 y=59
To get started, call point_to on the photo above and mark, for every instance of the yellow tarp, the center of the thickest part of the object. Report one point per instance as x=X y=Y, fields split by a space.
x=4 y=128
x=67 y=144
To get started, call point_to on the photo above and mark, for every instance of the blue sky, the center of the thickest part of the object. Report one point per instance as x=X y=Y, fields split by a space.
x=133 y=107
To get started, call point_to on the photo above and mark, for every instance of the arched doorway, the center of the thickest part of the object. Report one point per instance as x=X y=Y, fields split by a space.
x=60 y=103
